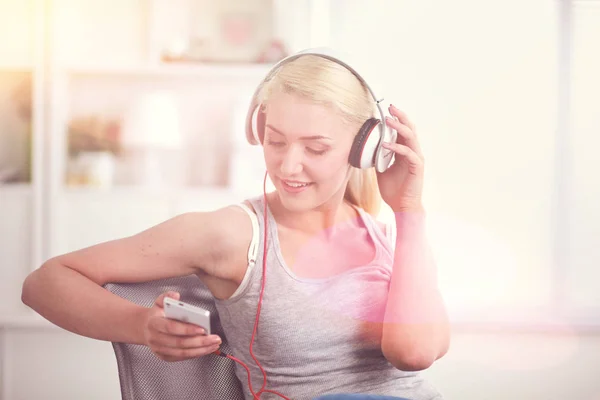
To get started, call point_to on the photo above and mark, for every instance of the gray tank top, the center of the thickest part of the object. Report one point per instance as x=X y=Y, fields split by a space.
x=311 y=339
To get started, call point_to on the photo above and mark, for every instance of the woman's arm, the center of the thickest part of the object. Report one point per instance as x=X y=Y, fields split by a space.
x=416 y=330
x=67 y=290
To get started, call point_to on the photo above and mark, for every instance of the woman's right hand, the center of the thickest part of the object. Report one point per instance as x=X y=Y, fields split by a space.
x=173 y=340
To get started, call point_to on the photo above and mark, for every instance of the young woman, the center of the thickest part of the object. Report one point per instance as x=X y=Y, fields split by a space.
x=345 y=308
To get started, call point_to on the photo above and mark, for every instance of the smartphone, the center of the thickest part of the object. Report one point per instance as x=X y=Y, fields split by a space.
x=180 y=311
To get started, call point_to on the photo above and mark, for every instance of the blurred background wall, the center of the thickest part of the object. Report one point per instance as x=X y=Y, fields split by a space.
x=116 y=115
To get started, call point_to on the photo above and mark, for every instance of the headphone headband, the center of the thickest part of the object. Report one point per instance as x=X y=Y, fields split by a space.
x=325 y=52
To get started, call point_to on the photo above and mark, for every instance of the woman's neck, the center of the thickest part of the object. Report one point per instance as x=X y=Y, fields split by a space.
x=328 y=219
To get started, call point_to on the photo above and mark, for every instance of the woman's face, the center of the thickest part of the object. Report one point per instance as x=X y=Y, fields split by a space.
x=306 y=148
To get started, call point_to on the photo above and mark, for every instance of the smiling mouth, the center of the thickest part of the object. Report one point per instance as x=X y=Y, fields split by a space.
x=293 y=184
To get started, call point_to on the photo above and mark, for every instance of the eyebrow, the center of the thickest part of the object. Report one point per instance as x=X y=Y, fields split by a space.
x=314 y=137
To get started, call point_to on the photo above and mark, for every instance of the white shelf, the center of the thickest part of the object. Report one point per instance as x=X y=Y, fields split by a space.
x=16 y=188
x=10 y=67
x=25 y=322
x=126 y=190
x=216 y=70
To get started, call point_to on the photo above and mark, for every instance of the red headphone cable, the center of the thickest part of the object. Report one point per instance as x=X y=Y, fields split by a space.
x=262 y=290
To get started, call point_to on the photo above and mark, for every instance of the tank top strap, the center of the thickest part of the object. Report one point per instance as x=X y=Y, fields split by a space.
x=253 y=248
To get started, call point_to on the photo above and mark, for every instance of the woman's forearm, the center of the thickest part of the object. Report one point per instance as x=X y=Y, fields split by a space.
x=75 y=303
x=416 y=329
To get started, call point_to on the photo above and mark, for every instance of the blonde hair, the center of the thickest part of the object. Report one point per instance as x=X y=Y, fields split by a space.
x=328 y=83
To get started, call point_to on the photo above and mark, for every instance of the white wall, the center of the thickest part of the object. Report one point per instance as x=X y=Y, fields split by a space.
x=483 y=98
x=482 y=94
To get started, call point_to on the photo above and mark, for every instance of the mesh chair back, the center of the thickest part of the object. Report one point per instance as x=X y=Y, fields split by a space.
x=144 y=376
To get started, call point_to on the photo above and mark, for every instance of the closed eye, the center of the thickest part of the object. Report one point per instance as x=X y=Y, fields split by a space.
x=316 y=152
x=273 y=143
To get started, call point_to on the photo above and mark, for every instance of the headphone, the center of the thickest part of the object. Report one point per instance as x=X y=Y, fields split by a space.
x=366 y=150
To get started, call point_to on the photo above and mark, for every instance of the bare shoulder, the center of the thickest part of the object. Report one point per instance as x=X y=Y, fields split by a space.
x=232 y=232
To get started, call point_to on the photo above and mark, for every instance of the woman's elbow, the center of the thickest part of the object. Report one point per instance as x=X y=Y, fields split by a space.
x=409 y=360
x=32 y=285
x=413 y=355
x=25 y=291
x=28 y=289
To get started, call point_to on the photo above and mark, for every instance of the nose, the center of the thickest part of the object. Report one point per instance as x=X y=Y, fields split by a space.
x=291 y=164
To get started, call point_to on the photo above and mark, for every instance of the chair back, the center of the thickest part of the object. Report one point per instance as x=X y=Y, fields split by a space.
x=144 y=376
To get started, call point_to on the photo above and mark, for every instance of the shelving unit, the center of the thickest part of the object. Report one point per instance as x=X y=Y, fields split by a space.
x=89 y=83
x=81 y=67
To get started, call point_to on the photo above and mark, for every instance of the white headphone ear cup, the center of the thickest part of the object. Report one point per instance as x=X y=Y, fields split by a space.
x=367 y=159
x=385 y=157
x=252 y=133
x=362 y=152
x=254 y=125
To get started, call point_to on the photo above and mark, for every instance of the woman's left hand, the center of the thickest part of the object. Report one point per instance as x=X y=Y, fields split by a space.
x=401 y=185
